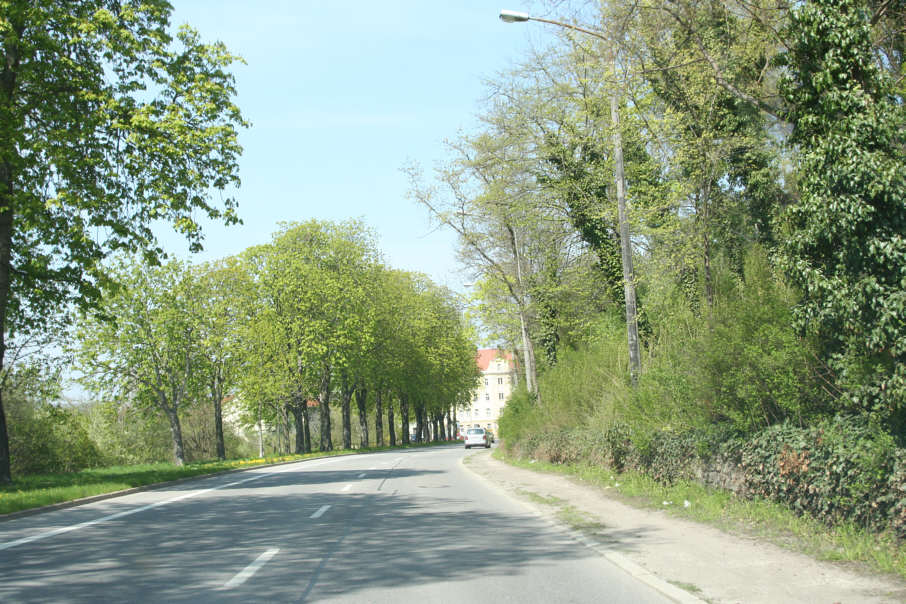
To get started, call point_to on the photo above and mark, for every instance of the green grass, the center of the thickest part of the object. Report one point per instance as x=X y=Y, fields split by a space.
x=574 y=518
x=27 y=492
x=687 y=586
x=536 y=498
x=773 y=522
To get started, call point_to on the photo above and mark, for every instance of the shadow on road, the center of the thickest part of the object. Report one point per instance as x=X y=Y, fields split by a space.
x=366 y=540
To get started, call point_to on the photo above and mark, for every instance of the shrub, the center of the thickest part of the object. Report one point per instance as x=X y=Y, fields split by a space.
x=47 y=439
x=838 y=469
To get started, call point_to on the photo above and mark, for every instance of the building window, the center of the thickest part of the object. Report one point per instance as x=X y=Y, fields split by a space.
x=500 y=380
x=487 y=396
x=500 y=395
x=488 y=413
x=485 y=381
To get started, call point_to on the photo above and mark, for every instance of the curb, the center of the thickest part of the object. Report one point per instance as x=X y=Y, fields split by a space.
x=619 y=560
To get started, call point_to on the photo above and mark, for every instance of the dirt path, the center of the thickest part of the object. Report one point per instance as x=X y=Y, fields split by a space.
x=706 y=562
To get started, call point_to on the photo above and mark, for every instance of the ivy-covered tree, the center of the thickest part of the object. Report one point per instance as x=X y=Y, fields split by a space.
x=846 y=246
x=108 y=122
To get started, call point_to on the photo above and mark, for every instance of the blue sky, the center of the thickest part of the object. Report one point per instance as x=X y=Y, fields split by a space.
x=340 y=97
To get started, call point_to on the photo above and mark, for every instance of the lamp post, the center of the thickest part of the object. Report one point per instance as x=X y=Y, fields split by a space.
x=632 y=327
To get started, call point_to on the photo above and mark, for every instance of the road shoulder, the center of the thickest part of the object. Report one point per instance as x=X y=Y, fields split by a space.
x=707 y=563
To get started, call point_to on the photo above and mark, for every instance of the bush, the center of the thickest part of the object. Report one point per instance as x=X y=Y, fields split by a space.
x=841 y=468
x=128 y=436
x=45 y=439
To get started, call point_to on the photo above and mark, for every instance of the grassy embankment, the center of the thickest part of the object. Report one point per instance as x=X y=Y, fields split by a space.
x=752 y=518
x=34 y=491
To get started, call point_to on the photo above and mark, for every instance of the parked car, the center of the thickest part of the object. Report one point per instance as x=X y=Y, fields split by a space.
x=477 y=437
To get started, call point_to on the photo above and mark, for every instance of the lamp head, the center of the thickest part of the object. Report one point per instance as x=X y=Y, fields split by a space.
x=511 y=16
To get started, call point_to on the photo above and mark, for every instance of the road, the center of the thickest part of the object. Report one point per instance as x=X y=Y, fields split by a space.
x=399 y=526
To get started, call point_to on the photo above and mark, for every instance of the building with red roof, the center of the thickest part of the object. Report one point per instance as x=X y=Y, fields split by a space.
x=498 y=378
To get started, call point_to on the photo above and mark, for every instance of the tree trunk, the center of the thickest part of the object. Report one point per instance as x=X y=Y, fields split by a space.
x=404 y=419
x=260 y=434
x=361 y=397
x=441 y=431
x=6 y=236
x=419 y=422
x=531 y=372
x=324 y=410
x=346 y=397
x=298 y=422
x=306 y=428
x=179 y=456
x=378 y=420
x=632 y=324
x=217 y=396
x=705 y=212
x=8 y=76
x=391 y=425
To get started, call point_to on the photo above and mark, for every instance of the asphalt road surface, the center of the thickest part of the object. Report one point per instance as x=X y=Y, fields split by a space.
x=398 y=526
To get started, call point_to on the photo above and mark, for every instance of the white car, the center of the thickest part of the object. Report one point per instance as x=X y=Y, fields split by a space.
x=477 y=437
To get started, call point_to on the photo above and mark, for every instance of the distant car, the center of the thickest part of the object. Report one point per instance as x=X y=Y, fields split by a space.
x=477 y=437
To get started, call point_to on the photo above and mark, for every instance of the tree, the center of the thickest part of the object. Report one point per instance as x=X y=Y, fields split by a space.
x=221 y=292
x=108 y=122
x=148 y=356
x=847 y=233
x=313 y=313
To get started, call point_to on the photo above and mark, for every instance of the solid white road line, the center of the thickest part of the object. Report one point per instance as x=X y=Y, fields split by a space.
x=75 y=527
x=347 y=487
x=320 y=511
x=251 y=569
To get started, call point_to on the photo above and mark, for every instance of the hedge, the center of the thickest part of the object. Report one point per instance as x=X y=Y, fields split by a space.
x=841 y=468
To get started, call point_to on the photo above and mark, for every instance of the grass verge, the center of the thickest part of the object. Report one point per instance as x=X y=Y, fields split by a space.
x=773 y=522
x=34 y=491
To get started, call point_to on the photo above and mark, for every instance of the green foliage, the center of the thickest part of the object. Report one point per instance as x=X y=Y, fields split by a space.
x=45 y=438
x=743 y=367
x=149 y=356
x=516 y=421
x=846 y=245
x=839 y=468
x=146 y=131
x=749 y=367
x=126 y=435
x=109 y=123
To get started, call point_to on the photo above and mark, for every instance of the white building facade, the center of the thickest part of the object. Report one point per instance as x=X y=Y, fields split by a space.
x=497 y=381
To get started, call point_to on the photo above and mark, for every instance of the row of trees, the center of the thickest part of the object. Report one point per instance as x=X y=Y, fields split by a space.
x=283 y=329
x=749 y=129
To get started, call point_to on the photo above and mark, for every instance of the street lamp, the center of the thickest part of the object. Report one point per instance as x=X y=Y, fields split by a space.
x=632 y=328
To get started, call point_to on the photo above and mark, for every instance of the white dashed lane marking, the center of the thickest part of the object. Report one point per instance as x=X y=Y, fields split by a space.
x=320 y=511
x=251 y=569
